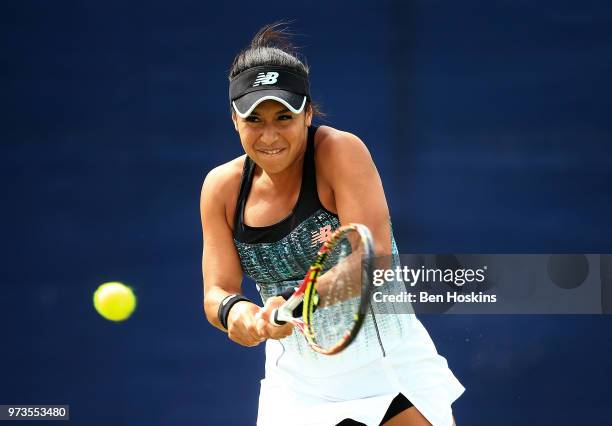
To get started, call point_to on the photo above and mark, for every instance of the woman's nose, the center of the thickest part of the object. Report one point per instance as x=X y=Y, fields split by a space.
x=269 y=135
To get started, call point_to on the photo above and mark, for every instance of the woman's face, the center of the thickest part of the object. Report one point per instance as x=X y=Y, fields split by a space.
x=273 y=136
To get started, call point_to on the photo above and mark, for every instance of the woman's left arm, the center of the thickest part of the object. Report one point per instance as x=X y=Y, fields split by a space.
x=348 y=168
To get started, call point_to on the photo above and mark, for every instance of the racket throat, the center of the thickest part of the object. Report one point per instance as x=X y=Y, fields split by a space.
x=282 y=316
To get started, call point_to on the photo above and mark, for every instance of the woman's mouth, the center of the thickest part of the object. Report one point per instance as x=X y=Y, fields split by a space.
x=271 y=151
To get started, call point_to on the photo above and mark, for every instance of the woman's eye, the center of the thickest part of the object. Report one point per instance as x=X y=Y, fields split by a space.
x=252 y=119
x=285 y=117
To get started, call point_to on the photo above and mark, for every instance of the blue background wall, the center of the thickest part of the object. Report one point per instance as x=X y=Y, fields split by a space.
x=489 y=123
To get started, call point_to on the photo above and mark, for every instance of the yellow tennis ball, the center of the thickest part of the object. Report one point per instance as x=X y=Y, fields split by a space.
x=114 y=301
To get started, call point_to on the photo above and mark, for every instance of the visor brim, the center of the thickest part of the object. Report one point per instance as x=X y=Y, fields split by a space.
x=245 y=105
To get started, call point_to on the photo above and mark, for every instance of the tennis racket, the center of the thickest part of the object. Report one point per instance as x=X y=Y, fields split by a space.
x=335 y=292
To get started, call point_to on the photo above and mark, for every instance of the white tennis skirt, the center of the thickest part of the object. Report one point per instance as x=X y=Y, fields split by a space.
x=412 y=366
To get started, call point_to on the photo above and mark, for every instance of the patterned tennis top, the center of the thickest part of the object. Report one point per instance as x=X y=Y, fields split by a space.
x=278 y=256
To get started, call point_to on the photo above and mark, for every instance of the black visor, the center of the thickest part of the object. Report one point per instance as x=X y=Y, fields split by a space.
x=255 y=85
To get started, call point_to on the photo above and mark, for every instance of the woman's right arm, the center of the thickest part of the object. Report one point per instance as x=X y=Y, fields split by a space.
x=221 y=268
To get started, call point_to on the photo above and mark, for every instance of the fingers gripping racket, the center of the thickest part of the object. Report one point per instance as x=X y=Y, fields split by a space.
x=335 y=292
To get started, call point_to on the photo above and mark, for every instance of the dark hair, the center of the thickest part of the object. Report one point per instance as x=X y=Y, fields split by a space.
x=272 y=46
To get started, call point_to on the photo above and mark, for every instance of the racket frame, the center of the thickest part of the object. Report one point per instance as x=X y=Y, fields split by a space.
x=306 y=292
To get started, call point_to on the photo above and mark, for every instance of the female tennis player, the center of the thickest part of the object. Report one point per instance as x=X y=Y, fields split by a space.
x=265 y=214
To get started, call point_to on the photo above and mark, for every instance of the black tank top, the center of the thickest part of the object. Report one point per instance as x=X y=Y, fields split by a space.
x=307 y=204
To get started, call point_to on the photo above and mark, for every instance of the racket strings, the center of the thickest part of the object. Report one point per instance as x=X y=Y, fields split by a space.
x=339 y=289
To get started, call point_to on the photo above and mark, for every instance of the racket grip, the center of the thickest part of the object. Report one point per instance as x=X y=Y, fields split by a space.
x=275 y=320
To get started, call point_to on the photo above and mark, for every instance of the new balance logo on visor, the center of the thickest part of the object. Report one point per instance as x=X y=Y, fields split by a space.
x=266 y=78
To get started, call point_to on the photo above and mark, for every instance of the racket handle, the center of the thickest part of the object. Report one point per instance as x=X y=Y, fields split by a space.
x=275 y=320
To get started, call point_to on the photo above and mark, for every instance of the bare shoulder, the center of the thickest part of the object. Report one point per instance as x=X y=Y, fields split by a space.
x=222 y=184
x=333 y=146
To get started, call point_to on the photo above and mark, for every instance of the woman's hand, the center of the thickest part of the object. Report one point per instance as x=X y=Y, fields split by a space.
x=265 y=328
x=241 y=324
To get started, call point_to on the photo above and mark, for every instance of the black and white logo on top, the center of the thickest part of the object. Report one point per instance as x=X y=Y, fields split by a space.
x=266 y=78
